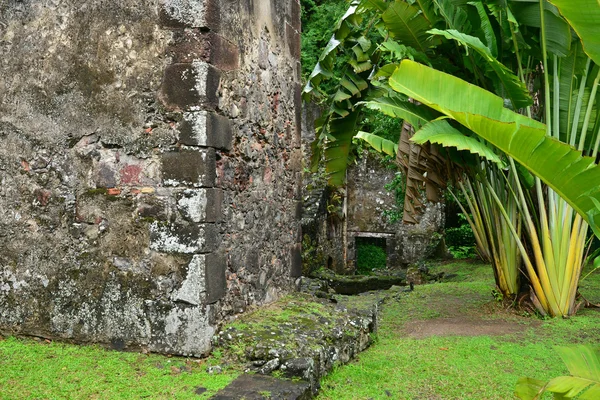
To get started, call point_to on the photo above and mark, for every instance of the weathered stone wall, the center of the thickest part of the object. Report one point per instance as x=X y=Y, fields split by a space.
x=149 y=167
x=368 y=203
x=368 y=199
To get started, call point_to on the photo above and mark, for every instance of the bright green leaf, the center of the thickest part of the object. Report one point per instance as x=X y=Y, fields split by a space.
x=563 y=168
x=441 y=132
x=584 y=17
x=378 y=143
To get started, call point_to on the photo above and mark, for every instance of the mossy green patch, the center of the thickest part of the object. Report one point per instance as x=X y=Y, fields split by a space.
x=33 y=369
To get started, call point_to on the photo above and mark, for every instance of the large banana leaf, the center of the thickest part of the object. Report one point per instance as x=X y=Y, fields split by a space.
x=378 y=143
x=563 y=168
x=337 y=148
x=571 y=70
x=583 y=363
x=398 y=108
x=441 y=132
x=379 y=5
x=584 y=17
x=408 y=25
x=558 y=33
x=514 y=89
x=454 y=15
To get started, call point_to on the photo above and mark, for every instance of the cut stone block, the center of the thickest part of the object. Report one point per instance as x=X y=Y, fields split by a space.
x=193 y=288
x=190 y=86
x=189 y=167
x=296 y=261
x=201 y=205
x=254 y=387
x=192 y=44
x=190 y=14
x=206 y=129
x=216 y=282
x=180 y=238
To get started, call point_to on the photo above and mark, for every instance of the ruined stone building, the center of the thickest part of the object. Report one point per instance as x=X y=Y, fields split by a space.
x=150 y=167
x=335 y=222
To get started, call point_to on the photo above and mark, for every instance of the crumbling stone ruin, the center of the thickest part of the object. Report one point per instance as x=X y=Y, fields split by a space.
x=150 y=167
x=333 y=220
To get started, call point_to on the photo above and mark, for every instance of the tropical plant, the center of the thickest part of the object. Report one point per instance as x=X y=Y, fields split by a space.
x=583 y=363
x=491 y=221
x=570 y=114
x=374 y=36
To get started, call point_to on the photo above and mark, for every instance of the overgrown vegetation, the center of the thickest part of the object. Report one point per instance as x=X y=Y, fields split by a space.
x=460 y=239
x=370 y=256
x=318 y=19
x=477 y=64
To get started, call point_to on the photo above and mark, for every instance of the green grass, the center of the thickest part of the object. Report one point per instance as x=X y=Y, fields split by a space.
x=39 y=370
x=399 y=366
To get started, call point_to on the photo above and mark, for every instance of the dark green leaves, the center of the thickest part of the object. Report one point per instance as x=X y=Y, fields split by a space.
x=407 y=24
x=514 y=89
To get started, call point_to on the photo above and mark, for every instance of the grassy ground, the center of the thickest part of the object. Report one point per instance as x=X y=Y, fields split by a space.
x=448 y=340
x=408 y=362
x=40 y=370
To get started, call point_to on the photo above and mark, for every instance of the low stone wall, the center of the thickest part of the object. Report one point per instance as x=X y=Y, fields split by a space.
x=149 y=167
x=304 y=337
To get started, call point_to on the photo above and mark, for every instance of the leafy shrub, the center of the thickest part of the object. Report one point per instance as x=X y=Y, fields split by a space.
x=461 y=236
x=461 y=240
x=318 y=21
x=462 y=251
x=369 y=257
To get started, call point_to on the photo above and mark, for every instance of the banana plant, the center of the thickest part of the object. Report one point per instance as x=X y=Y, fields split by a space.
x=558 y=240
x=404 y=29
x=374 y=35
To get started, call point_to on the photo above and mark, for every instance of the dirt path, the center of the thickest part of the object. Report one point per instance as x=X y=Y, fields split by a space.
x=465 y=314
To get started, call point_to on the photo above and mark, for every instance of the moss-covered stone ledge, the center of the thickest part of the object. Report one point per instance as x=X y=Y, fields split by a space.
x=356 y=284
x=301 y=336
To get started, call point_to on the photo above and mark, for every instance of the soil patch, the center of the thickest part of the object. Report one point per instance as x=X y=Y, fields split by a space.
x=462 y=327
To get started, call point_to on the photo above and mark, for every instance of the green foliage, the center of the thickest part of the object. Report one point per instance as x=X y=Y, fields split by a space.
x=312 y=257
x=440 y=131
x=583 y=363
x=461 y=235
x=460 y=252
x=318 y=22
x=379 y=124
x=369 y=257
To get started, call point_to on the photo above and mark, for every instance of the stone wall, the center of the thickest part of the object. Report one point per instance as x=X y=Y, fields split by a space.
x=150 y=167
x=369 y=202
x=364 y=212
